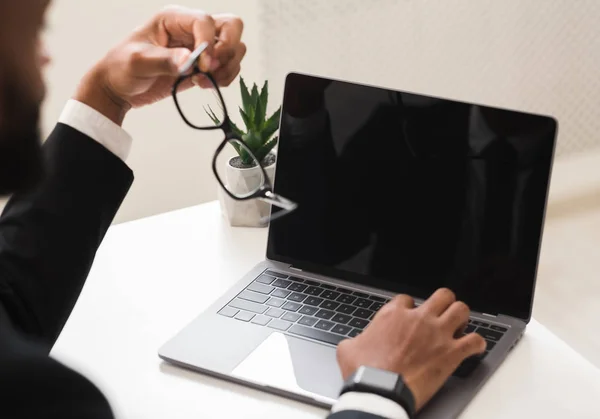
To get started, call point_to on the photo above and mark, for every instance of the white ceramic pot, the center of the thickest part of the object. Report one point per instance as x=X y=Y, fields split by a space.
x=246 y=213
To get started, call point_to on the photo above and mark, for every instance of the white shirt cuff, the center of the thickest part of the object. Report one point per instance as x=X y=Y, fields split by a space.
x=370 y=403
x=98 y=127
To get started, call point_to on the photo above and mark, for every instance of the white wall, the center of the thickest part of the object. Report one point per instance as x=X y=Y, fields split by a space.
x=171 y=161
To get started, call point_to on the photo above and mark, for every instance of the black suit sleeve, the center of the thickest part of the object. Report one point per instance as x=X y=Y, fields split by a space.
x=48 y=241
x=33 y=385
x=49 y=236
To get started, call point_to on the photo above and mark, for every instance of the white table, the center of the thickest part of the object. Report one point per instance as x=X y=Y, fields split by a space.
x=153 y=276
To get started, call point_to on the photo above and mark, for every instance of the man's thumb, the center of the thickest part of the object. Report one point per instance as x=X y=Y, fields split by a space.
x=179 y=56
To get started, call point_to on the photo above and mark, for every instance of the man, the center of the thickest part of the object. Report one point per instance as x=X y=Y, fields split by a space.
x=67 y=192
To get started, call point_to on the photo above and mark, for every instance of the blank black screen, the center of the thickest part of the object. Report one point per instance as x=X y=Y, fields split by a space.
x=411 y=193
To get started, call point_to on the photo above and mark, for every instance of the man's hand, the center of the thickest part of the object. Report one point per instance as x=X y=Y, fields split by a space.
x=424 y=345
x=142 y=69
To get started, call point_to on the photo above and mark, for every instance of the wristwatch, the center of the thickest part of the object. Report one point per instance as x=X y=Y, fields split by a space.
x=382 y=383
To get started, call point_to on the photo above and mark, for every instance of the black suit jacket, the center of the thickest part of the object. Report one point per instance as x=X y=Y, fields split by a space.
x=48 y=240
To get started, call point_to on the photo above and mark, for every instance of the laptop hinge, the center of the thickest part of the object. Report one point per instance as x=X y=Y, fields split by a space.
x=489 y=315
x=295 y=269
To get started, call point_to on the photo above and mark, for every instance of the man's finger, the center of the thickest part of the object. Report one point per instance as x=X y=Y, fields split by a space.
x=439 y=301
x=403 y=300
x=202 y=81
x=226 y=74
x=456 y=316
x=188 y=28
x=224 y=53
x=229 y=28
x=152 y=61
x=469 y=345
x=205 y=31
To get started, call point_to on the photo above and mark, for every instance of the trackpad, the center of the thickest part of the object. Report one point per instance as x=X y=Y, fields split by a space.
x=293 y=365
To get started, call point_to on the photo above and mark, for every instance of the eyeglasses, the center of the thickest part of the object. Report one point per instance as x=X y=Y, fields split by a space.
x=242 y=177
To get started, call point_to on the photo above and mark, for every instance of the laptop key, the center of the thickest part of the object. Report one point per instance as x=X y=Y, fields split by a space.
x=244 y=316
x=265 y=279
x=252 y=296
x=274 y=312
x=330 y=295
x=498 y=328
x=316 y=334
x=488 y=334
x=324 y=314
x=280 y=293
x=329 y=305
x=279 y=325
x=470 y=329
x=360 y=294
x=378 y=299
x=291 y=317
x=358 y=323
x=228 y=312
x=341 y=329
x=480 y=323
x=261 y=288
x=341 y=318
x=345 y=298
x=313 y=291
x=354 y=333
x=308 y=321
x=248 y=306
x=363 y=303
x=490 y=345
x=376 y=306
x=290 y=306
x=327 y=286
x=344 y=290
x=276 y=274
x=281 y=283
x=363 y=313
x=324 y=325
x=345 y=309
x=275 y=302
x=261 y=320
x=297 y=287
x=296 y=296
x=308 y=310
x=313 y=301
x=293 y=278
x=313 y=283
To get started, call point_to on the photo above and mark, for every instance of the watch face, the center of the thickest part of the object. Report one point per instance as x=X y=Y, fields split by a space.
x=378 y=378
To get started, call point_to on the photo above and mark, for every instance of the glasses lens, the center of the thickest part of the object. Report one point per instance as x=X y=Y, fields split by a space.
x=202 y=107
x=238 y=170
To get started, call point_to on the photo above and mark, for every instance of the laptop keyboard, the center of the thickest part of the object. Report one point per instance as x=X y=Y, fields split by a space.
x=324 y=312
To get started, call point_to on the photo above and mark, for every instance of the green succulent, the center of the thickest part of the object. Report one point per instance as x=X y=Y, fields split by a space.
x=260 y=130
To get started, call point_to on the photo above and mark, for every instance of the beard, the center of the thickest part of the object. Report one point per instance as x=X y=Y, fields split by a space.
x=21 y=160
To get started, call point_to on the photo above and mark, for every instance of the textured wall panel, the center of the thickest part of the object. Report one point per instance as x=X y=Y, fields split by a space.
x=535 y=55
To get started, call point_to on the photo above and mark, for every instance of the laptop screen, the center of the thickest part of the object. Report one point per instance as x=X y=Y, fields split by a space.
x=410 y=193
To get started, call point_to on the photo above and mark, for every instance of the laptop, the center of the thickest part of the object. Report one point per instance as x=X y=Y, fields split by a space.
x=397 y=192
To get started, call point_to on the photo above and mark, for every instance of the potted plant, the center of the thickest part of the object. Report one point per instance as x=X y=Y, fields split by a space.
x=259 y=136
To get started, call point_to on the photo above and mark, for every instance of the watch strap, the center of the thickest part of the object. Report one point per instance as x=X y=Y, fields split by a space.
x=407 y=399
x=400 y=394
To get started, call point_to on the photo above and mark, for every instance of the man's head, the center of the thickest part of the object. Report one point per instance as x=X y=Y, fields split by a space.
x=22 y=90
